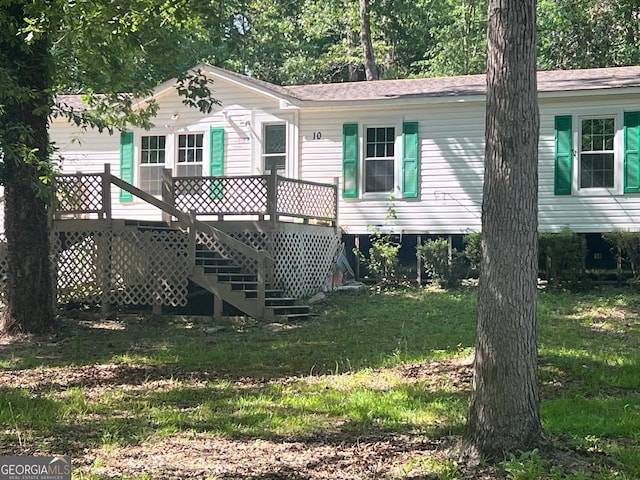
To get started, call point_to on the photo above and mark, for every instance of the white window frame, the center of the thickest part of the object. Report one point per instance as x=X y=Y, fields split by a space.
x=260 y=118
x=618 y=149
x=142 y=166
x=397 y=163
x=264 y=156
x=171 y=151
x=177 y=148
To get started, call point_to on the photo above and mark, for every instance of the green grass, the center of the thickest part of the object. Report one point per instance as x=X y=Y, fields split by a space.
x=137 y=379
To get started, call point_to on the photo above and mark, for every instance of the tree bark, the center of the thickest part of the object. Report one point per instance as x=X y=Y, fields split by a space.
x=25 y=146
x=370 y=68
x=504 y=410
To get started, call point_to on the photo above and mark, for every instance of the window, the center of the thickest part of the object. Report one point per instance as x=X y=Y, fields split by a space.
x=379 y=166
x=379 y=161
x=190 y=154
x=597 y=165
x=152 y=158
x=274 y=149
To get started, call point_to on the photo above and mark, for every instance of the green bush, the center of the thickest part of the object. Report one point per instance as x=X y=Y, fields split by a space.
x=444 y=270
x=562 y=256
x=383 y=257
x=626 y=247
x=473 y=250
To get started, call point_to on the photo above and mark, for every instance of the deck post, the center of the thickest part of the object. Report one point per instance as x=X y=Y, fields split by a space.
x=262 y=280
x=336 y=184
x=167 y=192
x=418 y=260
x=192 y=240
x=104 y=254
x=106 y=192
x=357 y=259
x=272 y=195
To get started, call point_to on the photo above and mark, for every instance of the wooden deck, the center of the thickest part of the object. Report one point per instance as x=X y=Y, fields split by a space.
x=257 y=243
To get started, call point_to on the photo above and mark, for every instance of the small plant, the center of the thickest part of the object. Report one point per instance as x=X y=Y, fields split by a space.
x=473 y=249
x=443 y=264
x=527 y=466
x=626 y=247
x=562 y=255
x=383 y=254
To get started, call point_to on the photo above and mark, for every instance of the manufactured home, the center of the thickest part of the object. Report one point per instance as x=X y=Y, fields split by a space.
x=300 y=169
x=414 y=147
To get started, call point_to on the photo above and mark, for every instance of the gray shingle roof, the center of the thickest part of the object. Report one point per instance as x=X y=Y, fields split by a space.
x=548 y=81
x=436 y=87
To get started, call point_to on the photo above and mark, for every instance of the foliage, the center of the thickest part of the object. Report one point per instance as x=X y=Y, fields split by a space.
x=626 y=246
x=473 y=249
x=100 y=49
x=588 y=33
x=442 y=263
x=526 y=466
x=383 y=256
x=562 y=255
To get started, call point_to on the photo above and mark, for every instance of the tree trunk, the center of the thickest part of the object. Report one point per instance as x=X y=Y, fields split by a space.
x=370 y=68
x=25 y=145
x=504 y=411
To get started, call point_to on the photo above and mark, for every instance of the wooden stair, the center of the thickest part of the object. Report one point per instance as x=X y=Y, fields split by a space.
x=221 y=277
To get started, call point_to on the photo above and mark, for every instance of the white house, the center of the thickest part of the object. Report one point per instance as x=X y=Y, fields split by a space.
x=415 y=146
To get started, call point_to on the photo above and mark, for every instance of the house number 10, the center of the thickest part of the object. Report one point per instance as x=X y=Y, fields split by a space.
x=317 y=135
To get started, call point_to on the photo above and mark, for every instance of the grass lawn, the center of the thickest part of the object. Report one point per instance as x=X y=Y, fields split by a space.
x=376 y=387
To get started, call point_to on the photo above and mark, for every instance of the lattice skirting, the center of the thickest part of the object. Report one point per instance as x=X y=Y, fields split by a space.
x=125 y=267
x=132 y=267
x=304 y=258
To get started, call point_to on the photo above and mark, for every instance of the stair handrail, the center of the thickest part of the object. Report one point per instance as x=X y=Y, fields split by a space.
x=185 y=219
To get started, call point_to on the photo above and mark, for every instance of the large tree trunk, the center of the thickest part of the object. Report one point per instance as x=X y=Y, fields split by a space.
x=25 y=145
x=370 y=68
x=504 y=411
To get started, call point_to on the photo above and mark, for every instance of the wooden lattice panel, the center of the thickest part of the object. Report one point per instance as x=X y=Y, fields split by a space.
x=78 y=274
x=123 y=267
x=79 y=193
x=221 y=195
x=306 y=200
x=304 y=260
x=150 y=267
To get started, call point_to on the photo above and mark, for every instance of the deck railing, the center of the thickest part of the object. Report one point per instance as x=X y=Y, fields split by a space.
x=278 y=198
x=263 y=196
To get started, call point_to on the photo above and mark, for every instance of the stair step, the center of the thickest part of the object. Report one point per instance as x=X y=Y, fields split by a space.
x=286 y=310
x=219 y=269
x=267 y=294
x=300 y=316
x=250 y=286
x=279 y=301
x=237 y=277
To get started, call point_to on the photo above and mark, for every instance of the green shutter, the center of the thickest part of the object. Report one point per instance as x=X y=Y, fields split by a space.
x=350 y=160
x=631 y=152
x=563 y=155
x=410 y=162
x=126 y=163
x=216 y=161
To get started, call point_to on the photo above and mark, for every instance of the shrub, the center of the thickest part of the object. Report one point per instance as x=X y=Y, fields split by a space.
x=383 y=257
x=442 y=268
x=562 y=255
x=473 y=250
x=626 y=246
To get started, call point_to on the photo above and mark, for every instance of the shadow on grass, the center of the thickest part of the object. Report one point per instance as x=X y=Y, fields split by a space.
x=367 y=331
x=302 y=412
